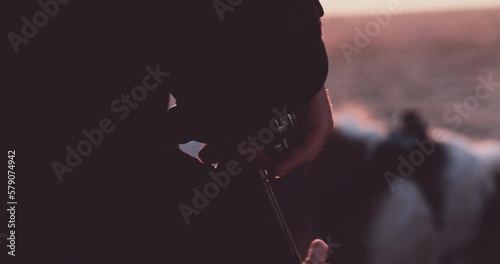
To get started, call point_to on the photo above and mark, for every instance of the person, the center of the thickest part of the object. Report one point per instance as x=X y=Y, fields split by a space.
x=227 y=91
x=248 y=69
x=229 y=64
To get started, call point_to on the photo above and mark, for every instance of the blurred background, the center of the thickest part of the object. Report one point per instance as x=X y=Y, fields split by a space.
x=422 y=54
x=337 y=7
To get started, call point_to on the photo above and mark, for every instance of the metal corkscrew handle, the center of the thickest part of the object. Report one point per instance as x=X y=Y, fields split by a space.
x=288 y=134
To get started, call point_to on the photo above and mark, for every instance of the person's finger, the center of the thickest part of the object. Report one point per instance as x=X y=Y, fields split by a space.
x=298 y=156
x=221 y=151
x=210 y=154
x=258 y=158
x=317 y=253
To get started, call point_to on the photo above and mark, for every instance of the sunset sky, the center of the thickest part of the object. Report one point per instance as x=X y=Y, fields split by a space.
x=348 y=7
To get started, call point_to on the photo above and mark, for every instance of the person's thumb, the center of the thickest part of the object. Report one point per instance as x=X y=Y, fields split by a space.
x=210 y=154
x=298 y=156
x=317 y=253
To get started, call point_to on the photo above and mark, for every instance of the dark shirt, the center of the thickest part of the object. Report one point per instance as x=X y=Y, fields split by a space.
x=229 y=74
x=121 y=200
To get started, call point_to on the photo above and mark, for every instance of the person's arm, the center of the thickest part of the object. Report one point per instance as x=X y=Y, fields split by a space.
x=318 y=123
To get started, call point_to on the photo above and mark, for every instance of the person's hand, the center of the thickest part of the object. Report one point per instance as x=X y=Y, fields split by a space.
x=317 y=122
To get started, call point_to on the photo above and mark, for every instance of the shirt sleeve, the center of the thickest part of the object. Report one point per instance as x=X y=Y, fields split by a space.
x=263 y=55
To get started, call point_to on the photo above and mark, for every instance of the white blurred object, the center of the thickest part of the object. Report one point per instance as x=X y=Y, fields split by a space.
x=192 y=148
x=171 y=101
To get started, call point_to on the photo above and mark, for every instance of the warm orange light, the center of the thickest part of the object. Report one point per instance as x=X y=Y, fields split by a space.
x=342 y=7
